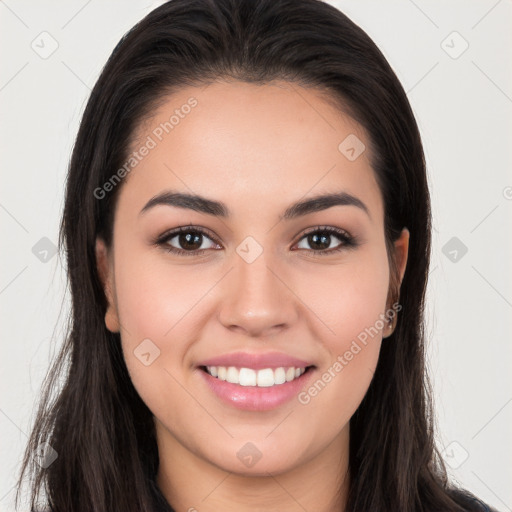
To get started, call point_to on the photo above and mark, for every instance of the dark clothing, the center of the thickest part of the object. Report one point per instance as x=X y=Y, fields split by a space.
x=470 y=502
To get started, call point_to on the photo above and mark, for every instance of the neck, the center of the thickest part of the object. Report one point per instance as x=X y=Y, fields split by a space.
x=191 y=483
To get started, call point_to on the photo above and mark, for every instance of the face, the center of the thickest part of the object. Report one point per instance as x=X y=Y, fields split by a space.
x=252 y=288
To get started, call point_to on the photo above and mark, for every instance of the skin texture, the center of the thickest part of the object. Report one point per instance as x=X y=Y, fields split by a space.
x=258 y=149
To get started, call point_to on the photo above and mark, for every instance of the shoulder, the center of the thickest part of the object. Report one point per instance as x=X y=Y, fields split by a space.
x=469 y=501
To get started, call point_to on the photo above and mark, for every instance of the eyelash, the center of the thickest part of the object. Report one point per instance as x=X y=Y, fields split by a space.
x=348 y=241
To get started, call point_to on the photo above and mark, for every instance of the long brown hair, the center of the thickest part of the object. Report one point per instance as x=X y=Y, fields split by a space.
x=100 y=467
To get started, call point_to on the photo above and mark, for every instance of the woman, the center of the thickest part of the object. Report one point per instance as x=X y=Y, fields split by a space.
x=247 y=230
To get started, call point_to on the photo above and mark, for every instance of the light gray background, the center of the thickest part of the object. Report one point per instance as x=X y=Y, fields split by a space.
x=463 y=104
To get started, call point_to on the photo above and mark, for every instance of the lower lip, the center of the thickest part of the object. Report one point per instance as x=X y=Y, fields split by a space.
x=254 y=398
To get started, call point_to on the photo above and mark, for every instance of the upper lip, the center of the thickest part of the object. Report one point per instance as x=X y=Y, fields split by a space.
x=256 y=361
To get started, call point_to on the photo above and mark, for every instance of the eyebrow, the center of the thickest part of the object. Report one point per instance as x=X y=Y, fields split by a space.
x=218 y=209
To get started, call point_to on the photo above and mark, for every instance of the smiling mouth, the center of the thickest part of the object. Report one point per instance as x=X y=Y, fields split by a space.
x=262 y=378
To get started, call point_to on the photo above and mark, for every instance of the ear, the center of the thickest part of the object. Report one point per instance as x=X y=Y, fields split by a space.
x=401 y=252
x=105 y=269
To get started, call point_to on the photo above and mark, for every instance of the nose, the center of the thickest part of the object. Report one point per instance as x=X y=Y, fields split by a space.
x=256 y=298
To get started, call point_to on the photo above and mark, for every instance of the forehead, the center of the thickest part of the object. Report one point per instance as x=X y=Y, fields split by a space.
x=248 y=145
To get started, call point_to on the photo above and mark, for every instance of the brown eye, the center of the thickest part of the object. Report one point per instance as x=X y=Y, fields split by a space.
x=323 y=240
x=190 y=241
x=187 y=241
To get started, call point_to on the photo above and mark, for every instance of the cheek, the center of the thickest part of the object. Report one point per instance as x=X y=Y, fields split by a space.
x=153 y=295
x=348 y=297
x=351 y=301
x=156 y=301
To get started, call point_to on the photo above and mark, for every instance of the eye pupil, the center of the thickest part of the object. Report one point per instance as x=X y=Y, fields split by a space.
x=321 y=241
x=189 y=240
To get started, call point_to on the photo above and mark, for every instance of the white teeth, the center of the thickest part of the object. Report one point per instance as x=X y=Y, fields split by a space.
x=279 y=376
x=265 y=378
x=249 y=377
x=232 y=375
